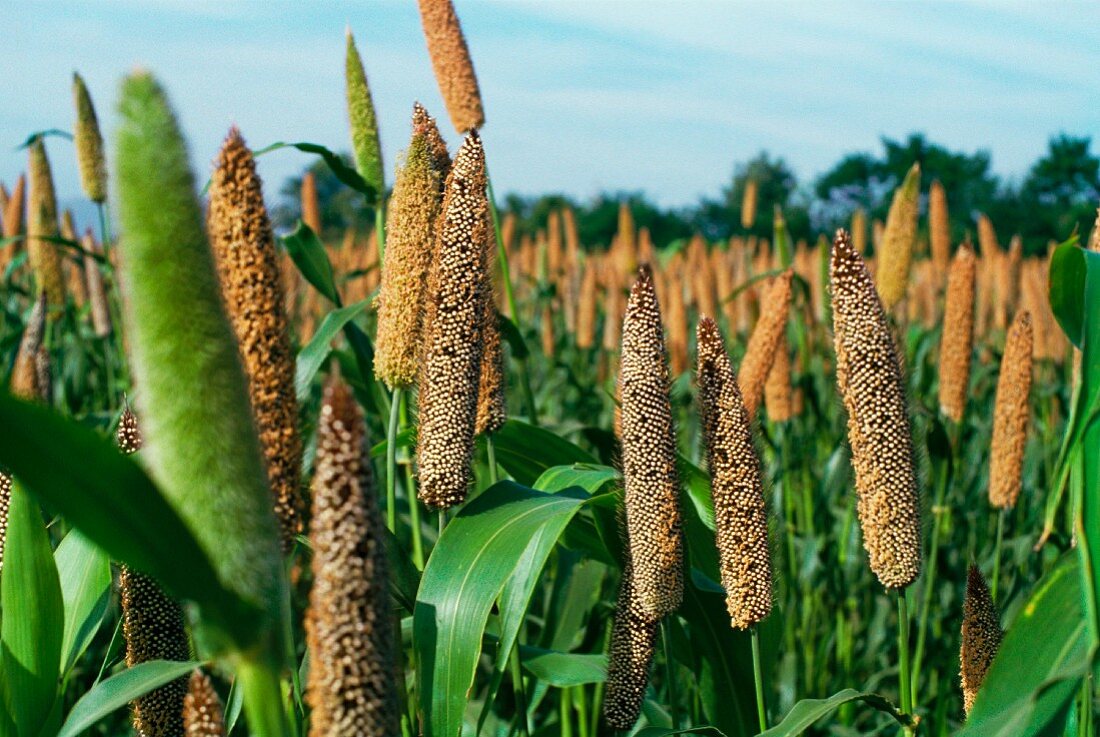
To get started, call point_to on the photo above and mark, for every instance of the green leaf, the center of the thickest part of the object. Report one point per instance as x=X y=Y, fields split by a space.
x=308 y=254
x=343 y=172
x=44 y=134
x=85 y=572
x=512 y=335
x=1087 y=417
x=589 y=477
x=526 y=451
x=34 y=615
x=475 y=557
x=803 y=714
x=1067 y=288
x=1038 y=669
x=116 y=505
x=119 y=690
x=665 y=731
x=314 y=354
x=563 y=669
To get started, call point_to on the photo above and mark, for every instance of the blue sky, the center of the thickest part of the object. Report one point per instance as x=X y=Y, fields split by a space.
x=580 y=96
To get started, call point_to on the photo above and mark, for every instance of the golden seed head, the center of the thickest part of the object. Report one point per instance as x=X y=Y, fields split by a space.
x=939 y=228
x=248 y=270
x=454 y=313
x=491 y=409
x=414 y=208
x=1011 y=412
x=586 y=307
x=30 y=376
x=764 y=341
x=893 y=260
x=311 y=206
x=870 y=382
x=42 y=254
x=424 y=124
x=748 y=204
x=740 y=512
x=454 y=70
x=13 y=210
x=152 y=625
x=97 y=292
x=981 y=636
x=203 y=713
x=352 y=681
x=957 y=341
x=649 y=456
x=778 y=394
x=859 y=231
x=633 y=641
x=89 y=144
x=364 y=123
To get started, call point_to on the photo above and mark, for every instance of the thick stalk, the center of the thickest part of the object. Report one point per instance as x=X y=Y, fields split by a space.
x=391 y=460
x=263 y=699
x=410 y=494
x=904 y=682
x=758 y=680
x=670 y=674
x=565 y=716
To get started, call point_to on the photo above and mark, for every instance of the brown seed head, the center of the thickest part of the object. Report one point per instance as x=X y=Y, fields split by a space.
x=128 y=435
x=424 y=124
x=892 y=273
x=5 y=504
x=311 y=206
x=97 y=293
x=859 y=231
x=957 y=341
x=649 y=456
x=414 y=208
x=586 y=307
x=939 y=228
x=248 y=270
x=451 y=368
x=42 y=254
x=766 y=334
x=748 y=204
x=30 y=376
x=633 y=641
x=454 y=71
x=13 y=211
x=352 y=685
x=871 y=385
x=981 y=636
x=202 y=709
x=1011 y=412
x=491 y=409
x=740 y=513
x=778 y=396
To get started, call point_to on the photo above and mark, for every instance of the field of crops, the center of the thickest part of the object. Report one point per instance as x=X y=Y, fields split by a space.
x=458 y=472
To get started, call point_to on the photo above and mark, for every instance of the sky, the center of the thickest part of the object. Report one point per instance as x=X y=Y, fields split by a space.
x=580 y=97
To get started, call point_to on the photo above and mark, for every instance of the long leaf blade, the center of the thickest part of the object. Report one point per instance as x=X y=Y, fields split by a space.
x=85 y=572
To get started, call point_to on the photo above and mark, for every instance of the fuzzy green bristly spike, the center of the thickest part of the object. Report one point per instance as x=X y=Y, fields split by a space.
x=89 y=144
x=201 y=445
x=364 y=123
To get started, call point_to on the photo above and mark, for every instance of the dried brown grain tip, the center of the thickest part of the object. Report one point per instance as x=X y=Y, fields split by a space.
x=939 y=228
x=740 y=513
x=981 y=636
x=451 y=367
x=311 y=206
x=676 y=322
x=957 y=341
x=414 y=208
x=626 y=240
x=633 y=641
x=777 y=388
x=424 y=124
x=1011 y=412
x=586 y=307
x=896 y=254
x=203 y=713
x=987 y=237
x=42 y=254
x=97 y=292
x=871 y=385
x=859 y=231
x=652 y=482
x=30 y=376
x=248 y=270
x=748 y=204
x=349 y=628
x=491 y=408
x=128 y=435
x=766 y=334
x=454 y=70
x=13 y=211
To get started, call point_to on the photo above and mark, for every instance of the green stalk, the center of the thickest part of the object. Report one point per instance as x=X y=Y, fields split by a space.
x=410 y=493
x=565 y=715
x=391 y=460
x=758 y=680
x=380 y=225
x=263 y=699
x=997 y=555
x=522 y=717
x=490 y=449
x=930 y=576
x=904 y=681
x=580 y=699
x=670 y=675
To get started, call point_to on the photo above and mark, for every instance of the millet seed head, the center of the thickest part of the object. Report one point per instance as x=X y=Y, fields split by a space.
x=203 y=713
x=957 y=341
x=981 y=636
x=424 y=125
x=633 y=641
x=5 y=505
x=42 y=220
x=748 y=204
x=414 y=209
x=450 y=370
x=89 y=144
x=491 y=409
x=13 y=211
x=740 y=512
x=364 y=122
x=778 y=392
x=939 y=228
x=248 y=272
x=30 y=376
x=97 y=292
x=892 y=262
x=871 y=385
x=127 y=434
x=652 y=482
x=352 y=685
x=764 y=341
x=311 y=206
x=1011 y=412
x=454 y=70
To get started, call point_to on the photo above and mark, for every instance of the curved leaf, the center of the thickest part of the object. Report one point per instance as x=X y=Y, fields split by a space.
x=803 y=714
x=308 y=254
x=316 y=351
x=343 y=172
x=31 y=630
x=475 y=557
x=85 y=572
x=563 y=669
x=1067 y=289
x=526 y=451
x=119 y=690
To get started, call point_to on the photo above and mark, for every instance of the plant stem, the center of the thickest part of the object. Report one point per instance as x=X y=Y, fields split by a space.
x=517 y=687
x=410 y=495
x=262 y=699
x=930 y=575
x=391 y=460
x=758 y=679
x=566 y=717
x=490 y=449
x=670 y=674
x=904 y=682
x=380 y=227
x=997 y=554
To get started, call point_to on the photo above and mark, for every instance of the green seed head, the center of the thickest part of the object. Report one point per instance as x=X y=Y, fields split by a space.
x=89 y=144
x=364 y=122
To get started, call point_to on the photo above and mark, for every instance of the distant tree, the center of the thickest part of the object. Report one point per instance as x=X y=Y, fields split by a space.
x=341 y=206
x=776 y=185
x=1059 y=193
